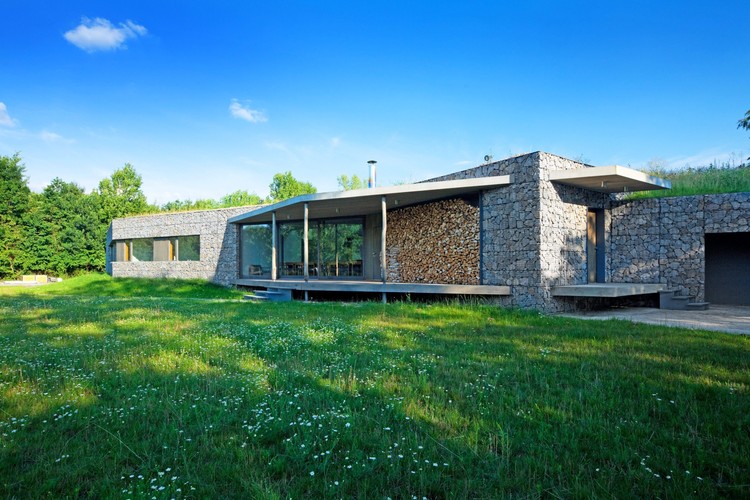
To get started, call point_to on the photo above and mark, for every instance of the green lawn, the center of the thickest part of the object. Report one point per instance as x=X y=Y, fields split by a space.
x=102 y=396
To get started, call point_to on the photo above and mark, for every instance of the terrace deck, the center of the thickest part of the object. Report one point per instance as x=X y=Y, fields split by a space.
x=607 y=289
x=374 y=286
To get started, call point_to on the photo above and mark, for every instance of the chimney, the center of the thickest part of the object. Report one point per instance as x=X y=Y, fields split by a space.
x=371 y=180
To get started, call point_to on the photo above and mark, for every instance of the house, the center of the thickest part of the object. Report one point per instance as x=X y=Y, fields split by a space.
x=532 y=231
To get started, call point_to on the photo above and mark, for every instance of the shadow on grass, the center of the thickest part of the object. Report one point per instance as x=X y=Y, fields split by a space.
x=362 y=400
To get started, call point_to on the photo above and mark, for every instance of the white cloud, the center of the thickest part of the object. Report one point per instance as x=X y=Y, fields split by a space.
x=48 y=136
x=5 y=119
x=244 y=113
x=335 y=142
x=100 y=34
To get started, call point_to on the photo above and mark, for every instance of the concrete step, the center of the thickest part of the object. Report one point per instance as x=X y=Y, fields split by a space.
x=270 y=295
x=698 y=306
x=672 y=300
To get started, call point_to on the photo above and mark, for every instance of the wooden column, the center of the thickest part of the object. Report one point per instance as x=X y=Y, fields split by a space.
x=305 y=257
x=273 y=246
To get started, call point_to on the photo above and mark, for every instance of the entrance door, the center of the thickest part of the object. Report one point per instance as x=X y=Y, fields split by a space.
x=595 y=245
x=727 y=263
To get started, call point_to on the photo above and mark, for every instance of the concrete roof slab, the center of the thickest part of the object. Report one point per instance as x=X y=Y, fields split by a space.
x=611 y=179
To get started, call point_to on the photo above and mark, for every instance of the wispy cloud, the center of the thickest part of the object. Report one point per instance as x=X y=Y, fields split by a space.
x=335 y=142
x=244 y=113
x=48 y=136
x=704 y=158
x=5 y=119
x=100 y=34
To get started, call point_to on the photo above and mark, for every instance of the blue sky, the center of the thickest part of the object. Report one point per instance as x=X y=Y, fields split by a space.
x=207 y=98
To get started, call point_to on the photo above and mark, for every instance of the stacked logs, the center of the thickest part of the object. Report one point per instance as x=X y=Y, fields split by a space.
x=434 y=243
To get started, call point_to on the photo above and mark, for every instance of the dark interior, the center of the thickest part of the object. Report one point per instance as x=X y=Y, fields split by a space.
x=728 y=268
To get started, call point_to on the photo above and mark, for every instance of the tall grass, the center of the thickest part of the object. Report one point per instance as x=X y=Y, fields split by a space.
x=177 y=398
x=712 y=179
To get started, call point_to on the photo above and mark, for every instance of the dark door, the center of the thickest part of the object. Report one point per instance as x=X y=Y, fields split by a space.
x=728 y=268
x=595 y=245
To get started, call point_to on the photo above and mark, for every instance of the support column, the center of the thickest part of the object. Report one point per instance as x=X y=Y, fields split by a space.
x=305 y=257
x=273 y=246
x=383 y=260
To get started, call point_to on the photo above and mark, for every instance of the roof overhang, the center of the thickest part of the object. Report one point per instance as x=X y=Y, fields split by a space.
x=612 y=179
x=360 y=202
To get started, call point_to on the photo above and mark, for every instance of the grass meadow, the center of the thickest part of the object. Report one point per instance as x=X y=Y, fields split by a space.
x=711 y=179
x=104 y=395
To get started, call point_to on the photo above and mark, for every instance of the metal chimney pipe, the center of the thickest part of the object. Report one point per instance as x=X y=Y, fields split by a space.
x=371 y=180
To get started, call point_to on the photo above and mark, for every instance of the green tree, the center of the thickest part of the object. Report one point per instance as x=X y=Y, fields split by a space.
x=14 y=196
x=69 y=233
x=239 y=198
x=347 y=183
x=121 y=195
x=285 y=186
x=745 y=123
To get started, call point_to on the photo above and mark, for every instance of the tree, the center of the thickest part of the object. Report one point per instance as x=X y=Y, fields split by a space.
x=68 y=233
x=285 y=186
x=14 y=193
x=347 y=184
x=121 y=195
x=239 y=198
x=745 y=123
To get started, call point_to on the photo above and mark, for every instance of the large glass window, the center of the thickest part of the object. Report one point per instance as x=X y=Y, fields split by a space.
x=339 y=248
x=255 y=242
x=334 y=248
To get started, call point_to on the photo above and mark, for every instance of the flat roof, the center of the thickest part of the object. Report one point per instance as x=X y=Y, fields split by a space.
x=611 y=179
x=358 y=202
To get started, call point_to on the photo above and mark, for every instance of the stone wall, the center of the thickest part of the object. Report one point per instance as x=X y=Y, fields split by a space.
x=434 y=243
x=533 y=231
x=219 y=244
x=662 y=240
x=563 y=213
x=510 y=235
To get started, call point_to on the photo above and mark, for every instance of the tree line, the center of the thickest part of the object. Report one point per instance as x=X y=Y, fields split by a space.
x=62 y=231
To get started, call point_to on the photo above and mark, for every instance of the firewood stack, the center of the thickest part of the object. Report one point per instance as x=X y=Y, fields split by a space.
x=434 y=243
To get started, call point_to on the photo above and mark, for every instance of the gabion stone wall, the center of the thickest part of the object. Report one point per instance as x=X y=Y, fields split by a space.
x=434 y=243
x=662 y=240
x=219 y=241
x=533 y=231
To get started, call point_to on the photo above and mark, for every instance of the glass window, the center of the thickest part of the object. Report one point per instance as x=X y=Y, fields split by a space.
x=121 y=251
x=334 y=248
x=291 y=249
x=163 y=249
x=340 y=248
x=189 y=248
x=255 y=244
x=143 y=250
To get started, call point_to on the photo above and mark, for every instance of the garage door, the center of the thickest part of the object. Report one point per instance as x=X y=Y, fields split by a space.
x=728 y=268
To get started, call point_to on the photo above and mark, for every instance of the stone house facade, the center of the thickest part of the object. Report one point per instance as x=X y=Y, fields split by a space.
x=532 y=231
